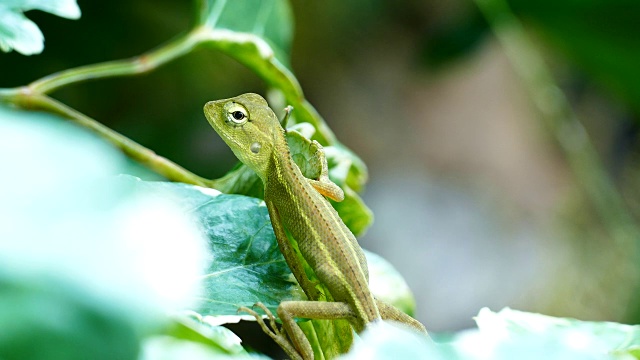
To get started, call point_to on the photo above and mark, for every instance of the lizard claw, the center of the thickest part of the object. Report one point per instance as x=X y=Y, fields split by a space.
x=275 y=332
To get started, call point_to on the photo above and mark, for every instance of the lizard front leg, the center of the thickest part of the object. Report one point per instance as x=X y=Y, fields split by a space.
x=324 y=185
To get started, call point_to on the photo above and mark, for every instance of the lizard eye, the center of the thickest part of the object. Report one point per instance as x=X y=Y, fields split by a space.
x=237 y=114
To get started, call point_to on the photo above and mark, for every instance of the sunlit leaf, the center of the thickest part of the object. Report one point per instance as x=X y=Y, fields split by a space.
x=514 y=333
x=270 y=20
x=19 y=33
x=190 y=326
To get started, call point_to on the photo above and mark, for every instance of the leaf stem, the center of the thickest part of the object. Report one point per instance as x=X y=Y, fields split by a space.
x=136 y=65
x=135 y=151
x=270 y=69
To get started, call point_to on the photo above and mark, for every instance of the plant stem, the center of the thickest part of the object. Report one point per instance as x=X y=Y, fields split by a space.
x=135 y=151
x=34 y=95
x=136 y=65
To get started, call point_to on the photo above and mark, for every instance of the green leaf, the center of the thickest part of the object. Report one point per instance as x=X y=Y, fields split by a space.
x=354 y=212
x=304 y=154
x=170 y=348
x=19 y=33
x=342 y=170
x=43 y=318
x=270 y=20
x=247 y=266
x=262 y=45
x=190 y=326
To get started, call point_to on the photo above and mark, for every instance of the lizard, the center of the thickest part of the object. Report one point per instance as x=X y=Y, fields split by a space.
x=297 y=204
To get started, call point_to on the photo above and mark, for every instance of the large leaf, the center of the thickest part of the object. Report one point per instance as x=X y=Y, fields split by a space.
x=247 y=266
x=246 y=263
x=86 y=265
x=188 y=337
x=270 y=20
x=19 y=33
x=43 y=319
x=506 y=335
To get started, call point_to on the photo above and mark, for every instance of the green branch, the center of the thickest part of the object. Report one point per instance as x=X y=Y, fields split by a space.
x=135 y=151
x=246 y=48
x=134 y=66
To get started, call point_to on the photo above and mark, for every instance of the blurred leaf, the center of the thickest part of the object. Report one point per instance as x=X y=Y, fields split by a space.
x=19 y=33
x=505 y=335
x=452 y=41
x=354 y=212
x=388 y=285
x=191 y=327
x=388 y=340
x=44 y=319
x=515 y=332
x=61 y=297
x=601 y=37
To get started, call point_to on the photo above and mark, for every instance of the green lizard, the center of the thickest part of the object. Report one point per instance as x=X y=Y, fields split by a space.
x=295 y=203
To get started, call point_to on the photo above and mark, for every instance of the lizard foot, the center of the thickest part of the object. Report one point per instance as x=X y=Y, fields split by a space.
x=275 y=332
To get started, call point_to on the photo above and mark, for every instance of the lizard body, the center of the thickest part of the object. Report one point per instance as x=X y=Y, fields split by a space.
x=295 y=203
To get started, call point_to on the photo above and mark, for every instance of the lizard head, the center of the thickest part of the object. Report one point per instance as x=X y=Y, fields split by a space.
x=248 y=126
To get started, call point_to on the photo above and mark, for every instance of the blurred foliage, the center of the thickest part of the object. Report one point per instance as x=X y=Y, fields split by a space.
x=249 y=269
x=601 y=38
x=22 y=34
x=504 y=335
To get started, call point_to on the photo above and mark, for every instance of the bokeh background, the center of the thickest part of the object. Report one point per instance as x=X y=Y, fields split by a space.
x=476 y=203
